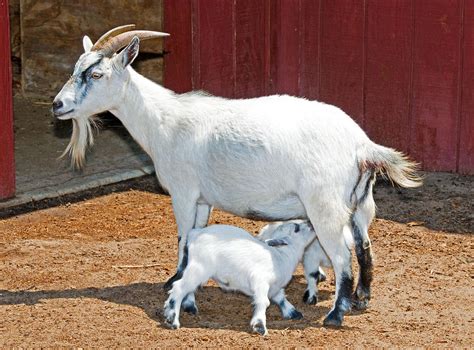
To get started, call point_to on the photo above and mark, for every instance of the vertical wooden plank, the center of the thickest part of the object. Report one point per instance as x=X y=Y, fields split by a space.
x=309 y=59
x=178 y=65
x=216 y=42
x=7 y=165
x=285 y=46
x=268 y=46
x=435 y=83
x=250 y=48
x=342 y=52
x=466 y=136
x=388 y=72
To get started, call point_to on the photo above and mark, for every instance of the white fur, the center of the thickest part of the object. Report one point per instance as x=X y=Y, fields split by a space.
x=282 y=157
x=314 y=256
x=238 y=261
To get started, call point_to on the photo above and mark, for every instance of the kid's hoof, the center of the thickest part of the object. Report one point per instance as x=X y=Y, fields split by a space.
x=170 y=315
x=310 y=300
x=333 y=320
x=294 y=315
x=172 y=325
x=190 y=309
x=259 y=328
x=170 y=319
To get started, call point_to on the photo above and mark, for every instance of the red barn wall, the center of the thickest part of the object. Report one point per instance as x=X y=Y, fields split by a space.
x=7 y=168
x=403 y=69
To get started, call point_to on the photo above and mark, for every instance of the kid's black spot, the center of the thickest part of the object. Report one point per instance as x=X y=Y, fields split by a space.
x=318 y=276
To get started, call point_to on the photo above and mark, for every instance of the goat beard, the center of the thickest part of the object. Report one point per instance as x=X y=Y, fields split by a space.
x=82 y=138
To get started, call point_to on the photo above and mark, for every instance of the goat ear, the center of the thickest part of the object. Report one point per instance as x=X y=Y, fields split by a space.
x=87 y=43
x=128 y=55
x=276 y=242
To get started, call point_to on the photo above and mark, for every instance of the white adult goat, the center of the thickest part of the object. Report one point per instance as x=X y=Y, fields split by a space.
x=270 y=158
x=237 y=261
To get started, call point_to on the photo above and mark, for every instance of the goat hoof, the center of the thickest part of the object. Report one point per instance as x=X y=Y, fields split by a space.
x=171 y=324
x=310 y=300
x=190 y=309
x=170 y=319
x=333 y=319
x=360 y=304
x=294 y=315
x=360 y=299
x=259 y=328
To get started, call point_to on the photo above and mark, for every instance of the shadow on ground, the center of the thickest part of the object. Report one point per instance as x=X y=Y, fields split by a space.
x=217 y=308
x=445 y=202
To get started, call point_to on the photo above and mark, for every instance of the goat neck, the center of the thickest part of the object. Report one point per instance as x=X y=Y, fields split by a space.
x=142 y=110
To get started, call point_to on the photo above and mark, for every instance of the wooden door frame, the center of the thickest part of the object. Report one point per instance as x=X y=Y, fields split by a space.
x=7 y=162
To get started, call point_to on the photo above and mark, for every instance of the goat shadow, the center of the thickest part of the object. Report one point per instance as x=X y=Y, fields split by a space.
x=217 y=309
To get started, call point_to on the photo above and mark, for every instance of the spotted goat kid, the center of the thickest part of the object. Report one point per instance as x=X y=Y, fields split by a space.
x=238 y=261
x=313 y=259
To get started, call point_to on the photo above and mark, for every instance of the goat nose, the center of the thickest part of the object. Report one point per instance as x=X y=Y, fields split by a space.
x=57 y=105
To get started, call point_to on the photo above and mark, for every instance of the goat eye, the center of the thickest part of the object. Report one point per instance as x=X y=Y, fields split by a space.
x=96 y=75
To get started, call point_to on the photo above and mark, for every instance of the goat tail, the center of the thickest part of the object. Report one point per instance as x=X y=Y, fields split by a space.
x=387 y=161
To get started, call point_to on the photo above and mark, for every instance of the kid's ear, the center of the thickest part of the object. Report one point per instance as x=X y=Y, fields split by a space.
x=276 y=242
x=87 y=43
x=128 y=55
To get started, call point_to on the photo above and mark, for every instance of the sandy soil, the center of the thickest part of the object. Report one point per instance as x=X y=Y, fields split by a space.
x=91 y=274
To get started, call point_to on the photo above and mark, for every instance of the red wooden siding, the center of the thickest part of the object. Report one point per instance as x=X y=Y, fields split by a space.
x=342 y=56
x=309 y=49
x=436 y=65
x=403 y=69
x=388 y=72
x=179 y=62
x=250 y=66
x=466 y=127
x=7 y=168
x=285 y=46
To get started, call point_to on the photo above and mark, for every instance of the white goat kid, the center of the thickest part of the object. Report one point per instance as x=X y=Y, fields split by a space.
x=270 y=158
x=313 y=259
x=238 y=261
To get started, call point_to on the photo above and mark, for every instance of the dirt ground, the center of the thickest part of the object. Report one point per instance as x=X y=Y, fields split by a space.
x=91 y=273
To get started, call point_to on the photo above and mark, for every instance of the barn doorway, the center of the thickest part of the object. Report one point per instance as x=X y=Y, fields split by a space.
x=46 y=40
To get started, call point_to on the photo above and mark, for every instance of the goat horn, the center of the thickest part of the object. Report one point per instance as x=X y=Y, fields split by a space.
x=115 y=43
x=113 y=32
